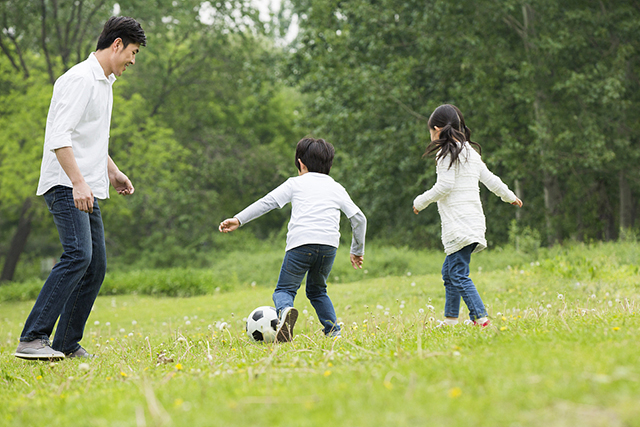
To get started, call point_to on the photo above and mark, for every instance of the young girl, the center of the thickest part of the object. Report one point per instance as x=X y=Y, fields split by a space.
x=459 y=168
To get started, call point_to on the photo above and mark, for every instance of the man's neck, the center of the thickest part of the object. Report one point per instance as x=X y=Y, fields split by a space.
x=103 y=59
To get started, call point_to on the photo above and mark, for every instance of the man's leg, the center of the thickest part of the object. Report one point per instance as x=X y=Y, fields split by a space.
x=78 y=306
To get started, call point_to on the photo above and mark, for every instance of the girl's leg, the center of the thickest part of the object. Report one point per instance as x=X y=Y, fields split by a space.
x=317 y=288
x=459 y=276
x=452 y=296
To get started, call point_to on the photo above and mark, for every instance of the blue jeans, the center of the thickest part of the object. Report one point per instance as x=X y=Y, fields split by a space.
x=74 y=282
x=455 y=273
x=315 y=261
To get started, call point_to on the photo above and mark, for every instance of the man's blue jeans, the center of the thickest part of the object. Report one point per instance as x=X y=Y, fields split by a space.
x=455 y=273
x=315 y=261
x=74 y=282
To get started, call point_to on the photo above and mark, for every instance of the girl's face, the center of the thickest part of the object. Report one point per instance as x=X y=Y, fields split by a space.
x=435 y=133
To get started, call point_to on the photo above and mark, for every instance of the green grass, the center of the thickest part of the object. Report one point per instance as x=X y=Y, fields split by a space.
x=562 y=351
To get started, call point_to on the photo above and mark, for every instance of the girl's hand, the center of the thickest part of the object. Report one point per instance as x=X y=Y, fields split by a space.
x=228 y=225
x=415 y=211
x=517 y=203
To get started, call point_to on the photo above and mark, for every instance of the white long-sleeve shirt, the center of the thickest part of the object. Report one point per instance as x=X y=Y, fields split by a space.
x=458 y=196
x=79 y=117
x=316 y=201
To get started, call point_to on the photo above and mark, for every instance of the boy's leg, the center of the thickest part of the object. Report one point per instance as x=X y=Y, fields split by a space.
x=78 y=307
x=459 y=275
x=317 y=289
x=294 y=266
x=75 y=235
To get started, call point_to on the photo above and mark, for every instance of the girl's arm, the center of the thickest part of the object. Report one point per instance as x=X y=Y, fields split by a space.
x=497 y=187
x=443 y=186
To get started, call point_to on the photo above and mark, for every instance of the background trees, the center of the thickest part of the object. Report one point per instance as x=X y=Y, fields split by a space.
x=207 y=119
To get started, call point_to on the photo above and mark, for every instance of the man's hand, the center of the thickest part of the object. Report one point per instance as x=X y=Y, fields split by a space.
x=356 y=261
x=121 y=183
x=229 y=225
x=83 y=197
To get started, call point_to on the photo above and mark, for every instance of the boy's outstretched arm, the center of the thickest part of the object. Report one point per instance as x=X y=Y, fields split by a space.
x=228 y=225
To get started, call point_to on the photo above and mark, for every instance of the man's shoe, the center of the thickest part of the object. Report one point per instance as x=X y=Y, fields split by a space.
x=482 y=324
x=288 y=318
x=81 y=353
x=38 y=349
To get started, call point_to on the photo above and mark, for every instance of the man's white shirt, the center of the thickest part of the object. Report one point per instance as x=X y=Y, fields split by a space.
x=79 y=117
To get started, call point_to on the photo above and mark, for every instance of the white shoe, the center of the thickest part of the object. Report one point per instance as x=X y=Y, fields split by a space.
x=288 y=318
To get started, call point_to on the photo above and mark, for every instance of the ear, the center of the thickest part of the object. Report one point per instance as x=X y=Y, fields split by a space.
x=117 y=44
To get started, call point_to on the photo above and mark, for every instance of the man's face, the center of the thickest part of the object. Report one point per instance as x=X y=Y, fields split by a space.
x=123 y=57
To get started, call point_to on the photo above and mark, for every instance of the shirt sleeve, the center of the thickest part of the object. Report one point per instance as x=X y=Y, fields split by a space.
x=277 y=198
x=71 y=96
x=495 y=185
x=444 y=184
x=358 y=229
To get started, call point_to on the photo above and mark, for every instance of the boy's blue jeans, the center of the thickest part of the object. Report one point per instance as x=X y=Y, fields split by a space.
x=73 y=284
x=455 y=273
x=315 y=261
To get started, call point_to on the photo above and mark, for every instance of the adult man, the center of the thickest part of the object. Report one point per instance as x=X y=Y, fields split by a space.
x=76 y=171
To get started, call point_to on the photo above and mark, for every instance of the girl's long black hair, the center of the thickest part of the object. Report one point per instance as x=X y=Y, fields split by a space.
x=453 y=132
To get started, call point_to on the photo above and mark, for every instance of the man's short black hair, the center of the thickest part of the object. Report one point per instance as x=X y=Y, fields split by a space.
x=316 y=154
x=127 y=29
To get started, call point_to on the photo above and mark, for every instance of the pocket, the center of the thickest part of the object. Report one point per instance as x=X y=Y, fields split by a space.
x=297 y=262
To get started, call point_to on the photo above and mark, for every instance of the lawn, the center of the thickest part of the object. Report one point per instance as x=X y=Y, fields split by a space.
x=562 y=350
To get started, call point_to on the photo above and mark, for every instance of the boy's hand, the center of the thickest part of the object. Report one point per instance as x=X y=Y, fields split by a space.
x=356 y=261
x=415 y=211
x=517 y=203
x=228 y=225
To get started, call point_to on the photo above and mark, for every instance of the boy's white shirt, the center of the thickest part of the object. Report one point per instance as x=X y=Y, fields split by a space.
x=458 y=196
x=316 y=201
x=79 y=117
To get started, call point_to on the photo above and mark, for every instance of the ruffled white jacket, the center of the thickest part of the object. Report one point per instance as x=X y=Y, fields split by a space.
x=457 y=193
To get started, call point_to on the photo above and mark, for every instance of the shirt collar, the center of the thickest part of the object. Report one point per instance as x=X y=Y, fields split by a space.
x=98 y=72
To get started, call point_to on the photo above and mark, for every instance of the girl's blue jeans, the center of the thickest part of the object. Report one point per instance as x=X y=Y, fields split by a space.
x=74 y=282
x=315 y=261
x=455 y=273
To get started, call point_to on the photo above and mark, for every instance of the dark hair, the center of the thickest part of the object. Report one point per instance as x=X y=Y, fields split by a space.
x=453 y=130
x=127 y=29
x=316 y=154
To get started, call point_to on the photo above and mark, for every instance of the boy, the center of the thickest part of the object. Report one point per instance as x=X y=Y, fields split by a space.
x=313 y=236
x=76 y=171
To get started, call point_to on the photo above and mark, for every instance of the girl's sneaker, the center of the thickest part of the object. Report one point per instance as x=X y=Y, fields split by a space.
x=482 y=322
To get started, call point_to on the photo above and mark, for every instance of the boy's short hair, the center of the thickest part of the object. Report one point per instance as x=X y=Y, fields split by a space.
x=127 y=29
x=316 y=154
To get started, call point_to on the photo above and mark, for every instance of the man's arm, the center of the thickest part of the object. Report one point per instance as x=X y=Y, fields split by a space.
x=120 y=181
x=82 y=194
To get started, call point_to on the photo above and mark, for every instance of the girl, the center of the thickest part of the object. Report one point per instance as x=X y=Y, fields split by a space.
x=459 y=168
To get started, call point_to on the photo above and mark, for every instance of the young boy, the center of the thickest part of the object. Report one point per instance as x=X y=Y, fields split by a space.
x=313 y=236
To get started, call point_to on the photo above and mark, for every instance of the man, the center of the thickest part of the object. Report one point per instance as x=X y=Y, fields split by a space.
x=76 y=171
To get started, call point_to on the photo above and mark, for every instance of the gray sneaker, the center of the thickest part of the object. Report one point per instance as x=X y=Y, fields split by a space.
x=80 y=353
x=288 y=318
x=38 y=349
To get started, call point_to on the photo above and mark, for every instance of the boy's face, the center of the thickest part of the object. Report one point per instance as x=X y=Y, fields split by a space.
x=122 y=56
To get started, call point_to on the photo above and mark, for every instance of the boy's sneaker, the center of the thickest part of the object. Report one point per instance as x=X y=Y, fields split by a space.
x=80 y=353
x=38 y=349
x=288 y=318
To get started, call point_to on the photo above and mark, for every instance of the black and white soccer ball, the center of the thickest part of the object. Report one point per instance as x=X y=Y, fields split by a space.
x=262 y=324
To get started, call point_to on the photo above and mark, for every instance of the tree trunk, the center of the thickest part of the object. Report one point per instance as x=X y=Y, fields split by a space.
x=18 y=242
x=626 y=205
x=552 y=200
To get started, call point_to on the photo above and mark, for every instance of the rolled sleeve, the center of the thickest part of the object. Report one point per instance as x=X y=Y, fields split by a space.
x=69 y=102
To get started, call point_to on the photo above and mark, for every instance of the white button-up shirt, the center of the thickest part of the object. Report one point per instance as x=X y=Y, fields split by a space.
x=79 y=117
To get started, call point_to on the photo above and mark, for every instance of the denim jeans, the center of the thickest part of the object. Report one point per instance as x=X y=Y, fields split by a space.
x=74 y=282
x=455 y=273
x=315 y=261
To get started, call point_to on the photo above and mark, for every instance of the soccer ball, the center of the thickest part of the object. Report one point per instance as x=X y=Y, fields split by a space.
x=262 y=324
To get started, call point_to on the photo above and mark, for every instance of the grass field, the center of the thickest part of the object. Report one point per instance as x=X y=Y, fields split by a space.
x=562 y=351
